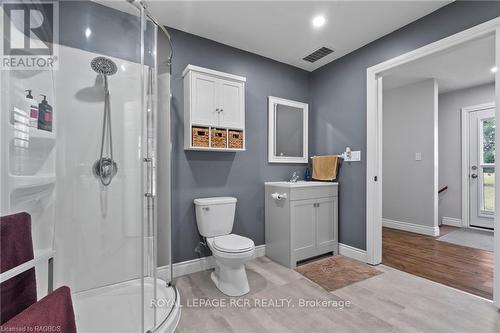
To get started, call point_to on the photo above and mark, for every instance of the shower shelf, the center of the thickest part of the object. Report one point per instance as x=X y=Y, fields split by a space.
x=34 y=133
x=19 y=182
x=37 y=133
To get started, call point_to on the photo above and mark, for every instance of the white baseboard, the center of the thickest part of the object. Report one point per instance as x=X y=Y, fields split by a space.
x=411 y=227
x=454 y=222
x=352 y=252
x=198 y=265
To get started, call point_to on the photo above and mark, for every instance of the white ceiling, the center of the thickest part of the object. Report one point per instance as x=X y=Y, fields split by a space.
x=282 y=30
x=464 y=66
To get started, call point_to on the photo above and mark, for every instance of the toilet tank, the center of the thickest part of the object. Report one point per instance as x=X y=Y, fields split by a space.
x=215 y=216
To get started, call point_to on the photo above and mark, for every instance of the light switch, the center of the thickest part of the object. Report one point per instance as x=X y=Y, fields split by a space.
x=418 y=156
x=355 y=156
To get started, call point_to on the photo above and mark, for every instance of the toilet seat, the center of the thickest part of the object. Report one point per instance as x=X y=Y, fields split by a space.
x=233 y=243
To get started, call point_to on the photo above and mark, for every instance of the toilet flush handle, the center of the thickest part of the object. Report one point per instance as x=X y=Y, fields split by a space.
x=206 y=208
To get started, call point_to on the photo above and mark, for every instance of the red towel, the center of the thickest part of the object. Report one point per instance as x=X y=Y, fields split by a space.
x=16 y=248
x=53 y=313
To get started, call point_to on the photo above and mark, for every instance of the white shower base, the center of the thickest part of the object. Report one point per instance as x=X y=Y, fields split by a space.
x=116 y=308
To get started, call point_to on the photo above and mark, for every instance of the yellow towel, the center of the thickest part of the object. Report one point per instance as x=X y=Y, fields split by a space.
x=324 y=167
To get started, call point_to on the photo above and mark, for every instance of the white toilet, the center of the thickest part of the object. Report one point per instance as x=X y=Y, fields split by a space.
x=215 y=218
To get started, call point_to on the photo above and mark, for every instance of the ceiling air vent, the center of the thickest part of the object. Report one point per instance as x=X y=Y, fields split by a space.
x=318 y=54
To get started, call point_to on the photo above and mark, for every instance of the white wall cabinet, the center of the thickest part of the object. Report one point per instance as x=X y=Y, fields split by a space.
x=304 y=223
x=213 y=100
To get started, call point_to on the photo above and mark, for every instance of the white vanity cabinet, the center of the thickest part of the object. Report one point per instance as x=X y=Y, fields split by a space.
x=213 y=101
x=302 y=222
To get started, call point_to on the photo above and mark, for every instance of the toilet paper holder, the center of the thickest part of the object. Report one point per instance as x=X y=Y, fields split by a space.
x=278 y=196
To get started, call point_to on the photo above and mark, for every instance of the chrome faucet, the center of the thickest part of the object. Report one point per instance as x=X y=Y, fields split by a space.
x=294 y=178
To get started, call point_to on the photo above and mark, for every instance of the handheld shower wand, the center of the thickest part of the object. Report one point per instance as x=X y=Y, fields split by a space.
x=105 y=167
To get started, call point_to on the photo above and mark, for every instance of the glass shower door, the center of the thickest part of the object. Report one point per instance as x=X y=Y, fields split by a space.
x=159 y=295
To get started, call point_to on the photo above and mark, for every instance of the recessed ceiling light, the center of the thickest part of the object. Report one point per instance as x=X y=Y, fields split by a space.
x=494 y=69
x=88 y=32
x=318 y=21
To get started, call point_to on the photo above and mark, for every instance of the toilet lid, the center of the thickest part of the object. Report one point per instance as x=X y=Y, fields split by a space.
x=233 y=243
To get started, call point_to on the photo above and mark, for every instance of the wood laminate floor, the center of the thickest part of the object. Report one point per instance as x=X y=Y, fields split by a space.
x=393 y=301
x=461 y=267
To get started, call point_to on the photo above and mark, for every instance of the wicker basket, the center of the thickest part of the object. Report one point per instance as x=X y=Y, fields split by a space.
x=200 y=136
x=235 y=139
x=218 y=138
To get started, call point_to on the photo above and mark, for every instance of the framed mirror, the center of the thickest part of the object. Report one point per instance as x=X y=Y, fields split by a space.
x=287 y=131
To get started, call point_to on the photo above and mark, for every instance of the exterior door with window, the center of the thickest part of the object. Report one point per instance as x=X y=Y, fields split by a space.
x=482 y=168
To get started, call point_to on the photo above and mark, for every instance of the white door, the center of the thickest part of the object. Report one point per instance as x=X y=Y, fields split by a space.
x=482 y=168
x=205 y=100
x=231 y=104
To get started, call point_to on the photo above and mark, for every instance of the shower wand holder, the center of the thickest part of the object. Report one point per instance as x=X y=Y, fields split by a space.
x=105 y=169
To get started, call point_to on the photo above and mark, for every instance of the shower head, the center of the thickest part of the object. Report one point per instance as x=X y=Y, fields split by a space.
x=103 y=65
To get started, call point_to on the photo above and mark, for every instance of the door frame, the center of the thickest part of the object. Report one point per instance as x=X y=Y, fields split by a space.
x=374 y=138
x=465 y=124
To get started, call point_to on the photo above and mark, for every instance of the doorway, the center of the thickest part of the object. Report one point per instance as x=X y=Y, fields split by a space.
x=375 y=81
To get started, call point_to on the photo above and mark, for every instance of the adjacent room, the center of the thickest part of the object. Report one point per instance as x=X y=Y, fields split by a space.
x=249 y=166
x=439 y=166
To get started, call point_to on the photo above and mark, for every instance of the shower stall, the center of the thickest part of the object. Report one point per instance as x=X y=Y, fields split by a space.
x=97 y=182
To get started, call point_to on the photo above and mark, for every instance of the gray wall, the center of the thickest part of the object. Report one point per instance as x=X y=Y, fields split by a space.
x=106 y=24
x=338 y=101
x=409 y=126
x=242 y=175
x=450 y=157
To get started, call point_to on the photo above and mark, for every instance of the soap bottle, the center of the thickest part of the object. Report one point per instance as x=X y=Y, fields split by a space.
x=32 y=109
x=45 y=115
x=307 y=175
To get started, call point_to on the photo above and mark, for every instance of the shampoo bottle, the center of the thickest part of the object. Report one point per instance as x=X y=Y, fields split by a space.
x=45 y=115
x=32 y=109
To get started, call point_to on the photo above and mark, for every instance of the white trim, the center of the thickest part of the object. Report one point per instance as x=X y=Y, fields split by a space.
x=212 y=72
x=436 y=158
x=352 y=252
x=451 y=221
x=374 y=133
x=198 y=265
x=411 y=227
x=466 y=157
x=496 y=241
x=271 y=158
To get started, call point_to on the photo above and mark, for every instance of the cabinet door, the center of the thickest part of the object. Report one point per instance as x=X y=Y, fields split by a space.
x=204 y=100
x=325 y=215
x=231 y=104
x=303 y=228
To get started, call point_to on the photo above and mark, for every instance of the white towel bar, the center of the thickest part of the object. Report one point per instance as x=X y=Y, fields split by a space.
x=40 y=256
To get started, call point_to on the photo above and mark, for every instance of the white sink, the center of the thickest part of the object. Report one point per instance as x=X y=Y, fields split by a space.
x=299 y=183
